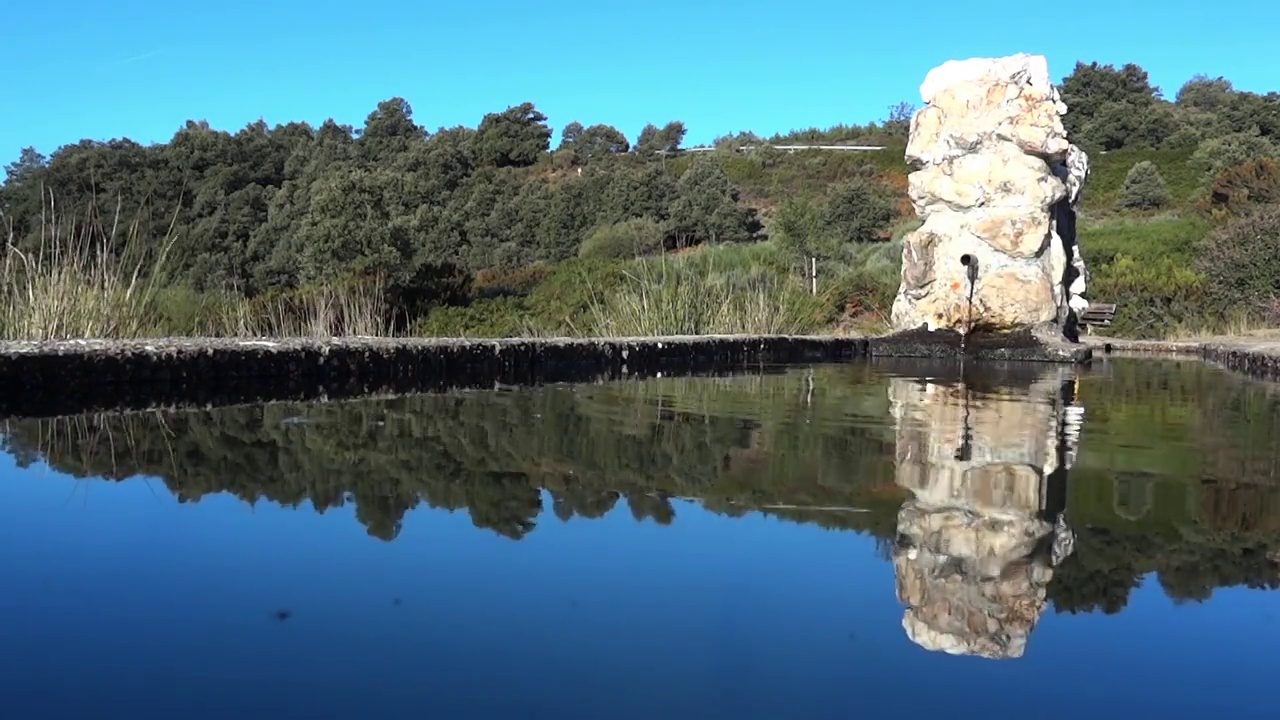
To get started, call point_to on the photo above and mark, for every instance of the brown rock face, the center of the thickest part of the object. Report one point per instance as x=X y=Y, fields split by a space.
x=1013 y=232
x=994 y=174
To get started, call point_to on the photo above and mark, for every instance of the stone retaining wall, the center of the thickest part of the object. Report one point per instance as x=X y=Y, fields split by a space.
x=1258 y=358
x=76 y=376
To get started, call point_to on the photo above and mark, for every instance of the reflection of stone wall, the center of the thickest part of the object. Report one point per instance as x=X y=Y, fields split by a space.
x=979 y=537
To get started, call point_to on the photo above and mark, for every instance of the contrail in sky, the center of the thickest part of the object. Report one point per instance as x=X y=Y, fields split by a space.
x=136 y=58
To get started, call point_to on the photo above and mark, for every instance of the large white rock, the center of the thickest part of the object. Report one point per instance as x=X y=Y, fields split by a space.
x=1033 y=69
x=997 y=180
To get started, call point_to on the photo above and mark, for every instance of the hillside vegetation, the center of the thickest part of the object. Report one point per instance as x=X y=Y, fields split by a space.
x=507 y=229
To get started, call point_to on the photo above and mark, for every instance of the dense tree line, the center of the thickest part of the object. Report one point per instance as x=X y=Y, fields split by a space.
x=271 y=207
x=1114 y=108
x=278 y=208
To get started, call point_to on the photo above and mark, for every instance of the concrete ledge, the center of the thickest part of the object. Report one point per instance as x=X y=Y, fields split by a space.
x=1257 y=358
x=1147 y=347
x=75 y=376
x=43 y=379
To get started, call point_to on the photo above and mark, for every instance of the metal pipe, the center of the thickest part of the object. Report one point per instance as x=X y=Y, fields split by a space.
x=970 y=263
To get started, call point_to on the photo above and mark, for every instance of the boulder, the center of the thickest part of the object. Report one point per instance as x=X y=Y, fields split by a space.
x=996 y=182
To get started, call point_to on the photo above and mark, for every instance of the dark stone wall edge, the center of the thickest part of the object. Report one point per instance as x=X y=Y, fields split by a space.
x=1257 y=358
x=44 y=379
x=70 y=377
x=1259 y=361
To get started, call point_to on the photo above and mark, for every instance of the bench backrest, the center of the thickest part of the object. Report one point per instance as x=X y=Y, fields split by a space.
x=1098 y=314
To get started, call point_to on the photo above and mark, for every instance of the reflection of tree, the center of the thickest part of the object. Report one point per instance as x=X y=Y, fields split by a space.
x=737 y=445
x=1183 y=457
x=1108 y=563
x=1235 y=506
x=1205 y=559
x=1100 y=573
x=1132 y=494
x=488 y=453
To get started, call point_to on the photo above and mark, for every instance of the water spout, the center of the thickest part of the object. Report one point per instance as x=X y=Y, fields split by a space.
x=970 y=263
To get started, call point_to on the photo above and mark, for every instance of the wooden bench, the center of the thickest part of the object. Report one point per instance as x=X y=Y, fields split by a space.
x=1097 y=315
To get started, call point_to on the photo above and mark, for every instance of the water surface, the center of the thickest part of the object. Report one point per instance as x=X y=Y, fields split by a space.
x=882 y=540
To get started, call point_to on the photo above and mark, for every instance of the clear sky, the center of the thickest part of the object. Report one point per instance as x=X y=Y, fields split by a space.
x=139 y=69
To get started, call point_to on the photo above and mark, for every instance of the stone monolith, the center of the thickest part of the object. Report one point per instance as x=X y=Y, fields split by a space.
x=996 y=182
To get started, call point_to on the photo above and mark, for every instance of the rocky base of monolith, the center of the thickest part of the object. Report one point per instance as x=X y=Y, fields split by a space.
x=1035 y=343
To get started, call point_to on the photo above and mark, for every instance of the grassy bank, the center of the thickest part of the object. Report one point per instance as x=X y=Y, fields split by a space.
x=83 y=290
x=87 y=281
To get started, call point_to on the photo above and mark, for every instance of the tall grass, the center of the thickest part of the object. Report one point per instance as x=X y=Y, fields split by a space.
x=352 y=309
x=693 y=296
x=81 y=280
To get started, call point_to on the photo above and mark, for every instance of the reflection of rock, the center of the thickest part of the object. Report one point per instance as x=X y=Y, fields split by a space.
x=978 y=540
x=996 y=183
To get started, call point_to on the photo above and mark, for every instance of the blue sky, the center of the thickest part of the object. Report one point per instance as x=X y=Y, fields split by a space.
x=137 y=69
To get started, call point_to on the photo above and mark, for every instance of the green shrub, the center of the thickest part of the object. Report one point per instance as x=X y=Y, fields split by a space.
x=1153 y=295
x=859 y=211
x=508 y=281
x=676 y=297
x=1217 y=154
x=741 y=256
x=797 y=226
x=1241 y=262
x=562 y=302
x=1163 y=236
x=1147 y=268
x=488 y=318
x=632 y=238
x=183 y=311
x=861 y=294
x=1239 y=189
x=1144 y=188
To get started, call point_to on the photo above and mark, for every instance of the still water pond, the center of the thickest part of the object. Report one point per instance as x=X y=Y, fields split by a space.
x=880 y=540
